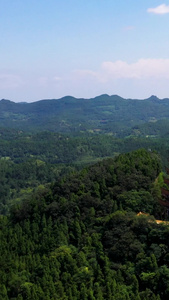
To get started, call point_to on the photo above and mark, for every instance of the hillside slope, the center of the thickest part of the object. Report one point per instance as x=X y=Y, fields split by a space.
x=101 y=114
x=81 y=239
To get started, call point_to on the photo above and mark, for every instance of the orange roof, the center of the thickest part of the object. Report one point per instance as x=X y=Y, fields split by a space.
x=157 y=221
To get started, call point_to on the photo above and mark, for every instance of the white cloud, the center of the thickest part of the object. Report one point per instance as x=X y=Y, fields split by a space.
x=142 y=69
x=161 y=9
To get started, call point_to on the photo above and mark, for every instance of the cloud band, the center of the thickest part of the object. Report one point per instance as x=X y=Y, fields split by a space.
x=159 y=10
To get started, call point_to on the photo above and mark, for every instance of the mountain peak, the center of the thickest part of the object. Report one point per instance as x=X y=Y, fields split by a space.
x=5 y=100
x=153 y=97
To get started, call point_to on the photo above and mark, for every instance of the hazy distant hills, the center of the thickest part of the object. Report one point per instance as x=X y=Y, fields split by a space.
x=108 y=114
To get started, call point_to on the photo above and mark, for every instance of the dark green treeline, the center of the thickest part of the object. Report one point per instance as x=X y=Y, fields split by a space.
x=81 y=239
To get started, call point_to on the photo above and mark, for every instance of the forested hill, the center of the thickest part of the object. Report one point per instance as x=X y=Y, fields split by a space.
x=81 y=238
x=104 y=113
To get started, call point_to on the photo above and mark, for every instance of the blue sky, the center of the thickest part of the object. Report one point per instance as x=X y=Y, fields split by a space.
x=54 y=48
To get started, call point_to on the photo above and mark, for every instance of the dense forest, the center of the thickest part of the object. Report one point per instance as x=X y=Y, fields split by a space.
x=102 y=114
x=29 y=161
x=80 y=184
x=81 y=237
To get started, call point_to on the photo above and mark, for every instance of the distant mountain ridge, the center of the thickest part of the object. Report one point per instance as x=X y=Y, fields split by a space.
x=104 y=113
